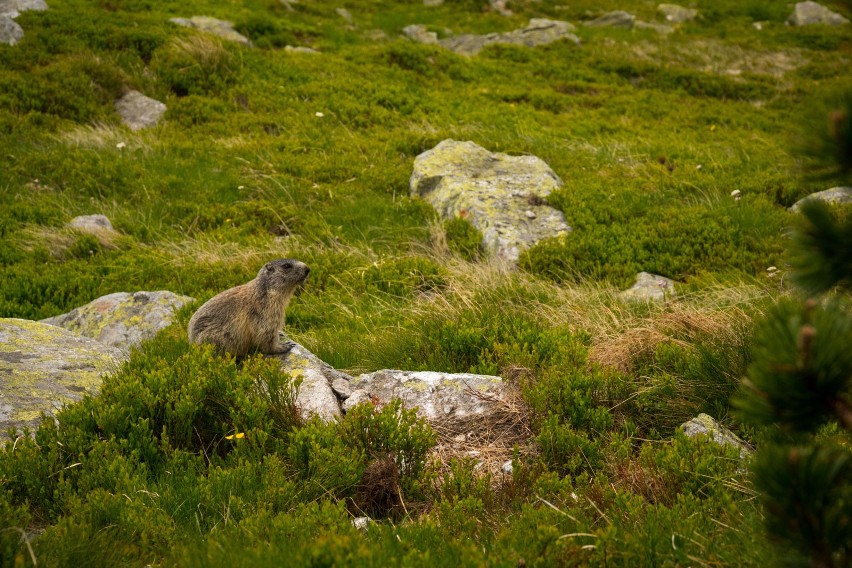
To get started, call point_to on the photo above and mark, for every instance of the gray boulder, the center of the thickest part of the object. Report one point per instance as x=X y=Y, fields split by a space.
x=833 y=196
x=92 y=224
x=649 y=287
x=442 y=398
x=220 y=28
x=138 y=111
x=809 y=13
x=538 y=32
x=420 y=34
x=677 y=14
x=122 y=320
x=12 y=8
x=617 y=19
x=501 y=195
x=43 y=367
x=315 y=396
x=10 y=32
x=706 y=425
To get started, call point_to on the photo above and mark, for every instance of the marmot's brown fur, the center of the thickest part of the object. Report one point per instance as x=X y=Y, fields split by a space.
x=250 y=316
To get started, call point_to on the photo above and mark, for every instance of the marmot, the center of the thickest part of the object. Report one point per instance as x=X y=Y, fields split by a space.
x=250 y=316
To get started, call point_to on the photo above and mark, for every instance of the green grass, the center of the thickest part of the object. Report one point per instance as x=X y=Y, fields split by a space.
x=265 y=153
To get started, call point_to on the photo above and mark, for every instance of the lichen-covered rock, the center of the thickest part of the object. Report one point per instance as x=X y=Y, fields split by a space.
x=538 y=32
x=12 y=8
x=707 y=425
x=495 y=192
x=315 y=397
x=220 y=28
x=809 y=13
x=10 y=32
x=617 y=19
x=649 y=287
x=355 y=398
x=92 y=224
x=138 y=111
x=677 y=14
x=43 y=367
x=342 y=388
x=833 y=196
x=122 y=320
x=441 y=398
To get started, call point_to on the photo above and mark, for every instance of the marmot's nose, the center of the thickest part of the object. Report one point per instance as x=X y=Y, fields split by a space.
x=307 y=270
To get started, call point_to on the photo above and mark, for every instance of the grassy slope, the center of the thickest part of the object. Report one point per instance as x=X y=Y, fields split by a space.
x=243 y=169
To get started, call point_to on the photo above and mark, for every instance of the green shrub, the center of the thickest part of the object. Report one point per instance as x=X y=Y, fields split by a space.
x=197 y=65
x=463 y=238
x=406 y=275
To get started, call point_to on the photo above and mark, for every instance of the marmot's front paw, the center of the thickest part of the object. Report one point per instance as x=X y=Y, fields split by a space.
x=283 y=348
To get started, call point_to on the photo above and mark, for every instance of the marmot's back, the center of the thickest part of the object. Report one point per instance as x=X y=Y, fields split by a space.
x=250 y=316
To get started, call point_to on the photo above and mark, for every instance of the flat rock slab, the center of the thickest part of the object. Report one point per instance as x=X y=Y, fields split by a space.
x=833 y=196
x=677 y=14
x=617 y=19
x=138 y=111
x=439 y=397
x=708 y=426
x=810 y=13
x=501 y=195
x=649 y=288
x=538 y=32
x=220 y=28
x=43 y=367
x=122 y=320
x=315 y=396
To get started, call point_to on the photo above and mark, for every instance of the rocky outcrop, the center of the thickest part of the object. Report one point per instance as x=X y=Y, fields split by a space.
x=122 y=320
x=315 y=396
x=538 y=32
x=649 y=288
x=138 y=111
x=43 y=367
x=219 y=28
x=833 y=196
x=810 y=13
x=503 y=196
x=617 y=19
x=10 y=31
x=441 y=398
x=677 y=14
x=706 y=425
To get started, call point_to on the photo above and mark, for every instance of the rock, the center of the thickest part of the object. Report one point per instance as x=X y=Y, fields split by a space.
x=122 y=320
x=507 y=467
x=10 y=32
x=92 y=224
x=649 y=287
x=500 y=7
x=538 y=32
x=12 y=8
x=432 y=3
x=493 y=191
x=43 y=367
x=362 y=523
x=138 y=111
x=220 y=28
x=420 y=34
x=833 y=196
x=344 y=13
x=705 y=424
x=659 y=28
x=357 y=397
x=441 y=398
x=809 y=13
x=617 y=19
x=315 y=397
x=677 y=14
x=299 y=49
x=341 y=388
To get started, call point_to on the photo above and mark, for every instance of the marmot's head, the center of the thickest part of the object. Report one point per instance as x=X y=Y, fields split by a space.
x=284 y=274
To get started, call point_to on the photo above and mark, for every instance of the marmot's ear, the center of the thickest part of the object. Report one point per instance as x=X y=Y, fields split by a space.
x=268 y=267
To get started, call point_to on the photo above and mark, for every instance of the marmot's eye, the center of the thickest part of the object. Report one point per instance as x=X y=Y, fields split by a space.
x=287 y=266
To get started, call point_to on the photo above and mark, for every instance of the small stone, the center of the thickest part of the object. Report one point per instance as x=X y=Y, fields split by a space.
x=757 y=25
x=92 y=224
x=649 y=287
x=13 y=8
x=138 y=111
x=677 y=14
x=220 y=28
x=344 y=13
x=10 y=32
x=341 y=388
x=809 y=13
x=356 y=397
x=299 y=49
x=420 y=34
x=706 y=425
x=362 y=523
x=659 y=28
x=507 y=467
x=432 y=3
